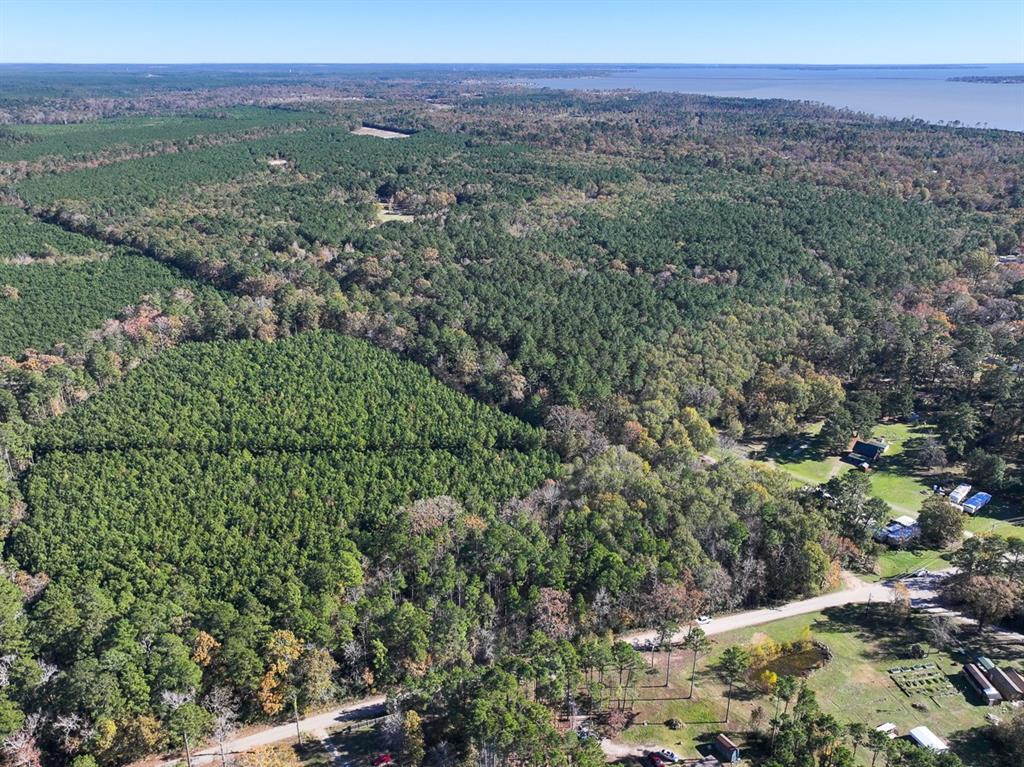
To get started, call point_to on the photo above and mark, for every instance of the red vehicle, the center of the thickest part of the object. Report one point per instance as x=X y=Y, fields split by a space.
x=382 y=759
x=655 y=759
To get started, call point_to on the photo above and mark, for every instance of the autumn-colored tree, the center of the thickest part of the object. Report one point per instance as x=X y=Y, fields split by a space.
x=989 y=598
x=413 y=746
x=204 y=649
x=553 y=613
x=283 y=648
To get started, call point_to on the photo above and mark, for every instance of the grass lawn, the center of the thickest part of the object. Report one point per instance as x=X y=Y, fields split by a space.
x=892 y=563
x=895 y=479
x=356 y=744
x=854 y=686
x=1002 y=516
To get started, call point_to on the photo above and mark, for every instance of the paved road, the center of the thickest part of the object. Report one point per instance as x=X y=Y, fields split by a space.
x=855 y=591
x=312 y=726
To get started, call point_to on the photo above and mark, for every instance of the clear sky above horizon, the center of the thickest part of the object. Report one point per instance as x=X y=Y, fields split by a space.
x=550 y=31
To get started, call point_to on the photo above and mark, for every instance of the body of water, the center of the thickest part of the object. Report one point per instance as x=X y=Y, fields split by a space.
x=926 y=93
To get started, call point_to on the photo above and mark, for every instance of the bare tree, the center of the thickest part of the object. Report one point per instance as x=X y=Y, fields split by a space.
x=47 y=671
x=72 y=730
x=222 y=704
x=943 y=632
x=575 y=433
x=174 y=700
x=6 y=662
x=392 y=729
x=20 y=748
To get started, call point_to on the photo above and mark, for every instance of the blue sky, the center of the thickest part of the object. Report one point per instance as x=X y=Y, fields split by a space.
x=691 y=31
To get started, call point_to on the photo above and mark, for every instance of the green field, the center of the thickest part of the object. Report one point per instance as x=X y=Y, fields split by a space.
x=855 y=686
x=895 y=480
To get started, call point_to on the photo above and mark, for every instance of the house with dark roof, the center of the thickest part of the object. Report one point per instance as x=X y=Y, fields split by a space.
x=866 y=452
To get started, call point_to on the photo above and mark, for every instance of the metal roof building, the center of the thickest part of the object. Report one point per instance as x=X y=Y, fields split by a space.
x=925 y=738
x=1007 y=687
x=975 y=502
x=981 y=684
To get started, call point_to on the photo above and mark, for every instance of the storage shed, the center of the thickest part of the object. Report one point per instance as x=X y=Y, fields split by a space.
x=974 y=504
x=1005 y=685
x=959 y=493
x=727 y=750
x=981 y=685
x=925 y=738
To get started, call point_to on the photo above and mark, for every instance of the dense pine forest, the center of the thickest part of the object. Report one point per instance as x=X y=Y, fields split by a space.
x=291 y=413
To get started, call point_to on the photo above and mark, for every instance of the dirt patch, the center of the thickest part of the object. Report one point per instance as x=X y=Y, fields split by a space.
x=869 y=676
x=759 y=637
x=378 y=132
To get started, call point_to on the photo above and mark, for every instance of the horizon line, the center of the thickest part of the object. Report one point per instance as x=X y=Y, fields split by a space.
x=509 y=63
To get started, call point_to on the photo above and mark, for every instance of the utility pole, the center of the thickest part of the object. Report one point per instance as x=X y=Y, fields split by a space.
x=295 y=709
x=188 y=752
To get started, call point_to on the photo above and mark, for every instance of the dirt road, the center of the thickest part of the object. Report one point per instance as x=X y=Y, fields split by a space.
x=855 y=591
x=314 y=726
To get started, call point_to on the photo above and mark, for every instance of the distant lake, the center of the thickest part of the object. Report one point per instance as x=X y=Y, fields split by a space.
x=918 y=92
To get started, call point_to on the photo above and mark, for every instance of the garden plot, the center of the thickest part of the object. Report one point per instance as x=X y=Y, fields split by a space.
x=923 y=679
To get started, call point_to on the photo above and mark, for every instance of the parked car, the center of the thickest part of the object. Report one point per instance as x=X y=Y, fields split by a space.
x=382 y=759
x=655 y=759
x=704 y=620
x=669 y=756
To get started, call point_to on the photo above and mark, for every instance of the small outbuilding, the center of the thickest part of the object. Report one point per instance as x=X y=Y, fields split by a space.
x=889 y=730
x=727 y=751
x=1005 y=685
x=981 y=685
x=925 y=738
x=974 y=504
x=959 y=493
x=984 y=663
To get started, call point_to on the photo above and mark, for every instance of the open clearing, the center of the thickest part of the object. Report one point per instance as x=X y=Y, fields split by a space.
x=866 y=642
x=378 y=132
x=386 y=213
x=895 y=479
